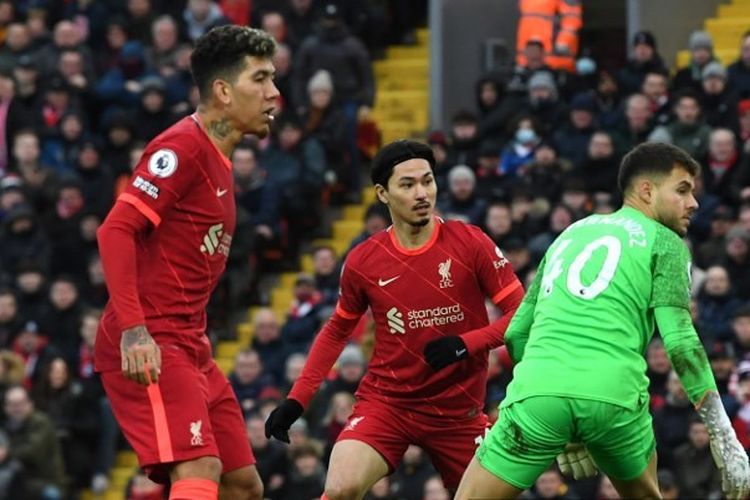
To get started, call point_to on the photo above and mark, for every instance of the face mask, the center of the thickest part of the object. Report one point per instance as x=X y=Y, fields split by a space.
x=525 y=135
x=585 y=66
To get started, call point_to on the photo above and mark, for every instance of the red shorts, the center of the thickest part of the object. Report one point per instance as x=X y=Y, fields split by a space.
x=192 y=412
x=450 y=443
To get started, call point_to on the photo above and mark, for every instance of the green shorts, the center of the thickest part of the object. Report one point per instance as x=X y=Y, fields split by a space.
x=530 y=433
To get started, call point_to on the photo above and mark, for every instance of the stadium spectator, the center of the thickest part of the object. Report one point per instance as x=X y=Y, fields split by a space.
x=326 y=271
x=304 y=318
x=672 y=421
x=737 y=260
x=741 y=332
x=270 y=455
x=655 y=87
x=12 y=481
x=409 y=478
x=34 y=443
x=658 y=368
x=601 y=165
x=688 y=132
x=644 y=59
x=461 y=202
x=543 y=102
x=10 y=318
x=694 y=466
x=269 y=345
x=520 y=150
x=719 y=102
x=701 y=48
x=572 y=139
x=462 y=148
x=637 y=124
x=248 y=379
x=716 y=305
x=739 y=71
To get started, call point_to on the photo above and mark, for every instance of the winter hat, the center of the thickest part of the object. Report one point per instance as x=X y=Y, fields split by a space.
x=700 y=40
x=321 y=80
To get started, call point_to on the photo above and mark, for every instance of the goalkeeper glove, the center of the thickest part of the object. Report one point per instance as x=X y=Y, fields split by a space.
x=441 y=352
x=730 y=457
x=282 y=418
x=575 y=461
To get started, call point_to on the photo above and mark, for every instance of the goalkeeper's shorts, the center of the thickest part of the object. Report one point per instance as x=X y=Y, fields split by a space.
x=530 y=433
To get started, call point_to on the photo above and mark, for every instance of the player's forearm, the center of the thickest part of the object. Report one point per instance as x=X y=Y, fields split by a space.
x=116 y=238
x=685 y=352
x=518 y=331
x=493 y=335
x=324 y=352
x=712 y=412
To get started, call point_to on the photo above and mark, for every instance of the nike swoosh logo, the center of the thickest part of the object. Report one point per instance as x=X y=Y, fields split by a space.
x=383 y=282
x=221 y=192
x=460 y=352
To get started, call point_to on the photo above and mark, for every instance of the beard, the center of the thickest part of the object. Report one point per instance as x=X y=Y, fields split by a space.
x=420 y=223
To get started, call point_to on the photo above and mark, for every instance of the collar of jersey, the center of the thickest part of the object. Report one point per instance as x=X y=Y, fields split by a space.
x=227 y=163
x=419 y=250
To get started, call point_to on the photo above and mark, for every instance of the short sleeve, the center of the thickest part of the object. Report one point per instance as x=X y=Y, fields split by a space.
x=671 y=267
x=495 y=273
x=162 y=176
x=352 y=299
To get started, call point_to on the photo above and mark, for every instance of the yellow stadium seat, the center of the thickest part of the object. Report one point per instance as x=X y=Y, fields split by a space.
x=121 y=475
x=354 y=212
x=113 y=494
x=227 y=349
x=307 y=264
x=225 y=365
x=734 y=10
x=728 y=27
x=408 y=52
x=245 y=333
x=126 y=459
x=287 y=280
x=726 y=57
x=281 y=297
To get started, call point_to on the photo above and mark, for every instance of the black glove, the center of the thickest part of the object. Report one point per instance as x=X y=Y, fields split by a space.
x=440 y=353
x=281 y=418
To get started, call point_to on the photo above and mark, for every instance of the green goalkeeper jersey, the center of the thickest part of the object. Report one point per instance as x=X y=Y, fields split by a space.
x=593 y=317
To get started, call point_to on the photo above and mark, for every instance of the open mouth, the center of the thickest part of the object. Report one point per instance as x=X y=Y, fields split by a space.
x=269 y=114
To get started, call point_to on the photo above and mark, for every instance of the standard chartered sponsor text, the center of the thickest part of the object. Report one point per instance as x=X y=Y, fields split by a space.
x=436 y=316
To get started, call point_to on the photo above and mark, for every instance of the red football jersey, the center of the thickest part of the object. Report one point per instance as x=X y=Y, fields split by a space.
x=184 y=185
x=417 y=296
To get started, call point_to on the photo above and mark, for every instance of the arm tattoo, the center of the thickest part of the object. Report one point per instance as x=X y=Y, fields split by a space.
x=219 y=128
x=136 y=336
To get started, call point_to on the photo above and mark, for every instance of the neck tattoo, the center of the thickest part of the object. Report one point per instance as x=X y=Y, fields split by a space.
x=219 y=128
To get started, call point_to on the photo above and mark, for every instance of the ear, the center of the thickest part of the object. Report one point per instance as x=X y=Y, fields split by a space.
x=381 y=193
x=221 y=91
x=645 y=190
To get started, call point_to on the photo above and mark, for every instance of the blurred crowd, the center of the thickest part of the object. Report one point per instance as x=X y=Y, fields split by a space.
x=85 y=84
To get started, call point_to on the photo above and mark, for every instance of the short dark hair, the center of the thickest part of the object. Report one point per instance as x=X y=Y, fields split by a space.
x=395 y=153
x=655 y=159
x=220 y=53
x=687 y=94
